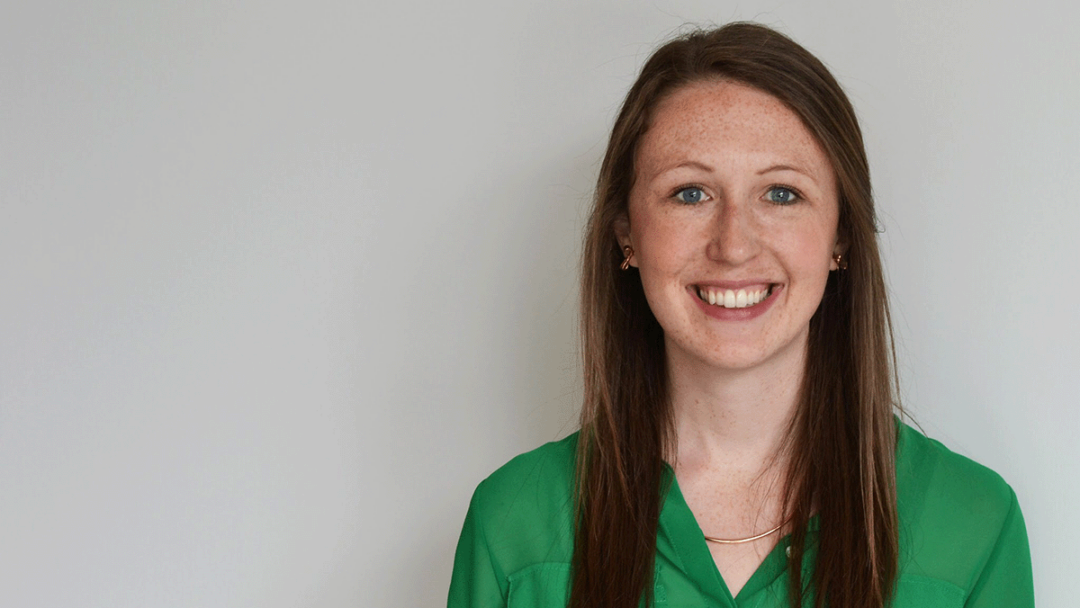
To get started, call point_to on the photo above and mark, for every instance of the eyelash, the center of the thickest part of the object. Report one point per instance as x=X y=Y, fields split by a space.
x=675 y=194
x=797 y=196
x=795 y=193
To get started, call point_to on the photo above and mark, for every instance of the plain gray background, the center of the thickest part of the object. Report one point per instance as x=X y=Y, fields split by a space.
x=282 y=282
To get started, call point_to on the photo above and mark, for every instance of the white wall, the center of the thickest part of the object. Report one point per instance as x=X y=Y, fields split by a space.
x=281 y=282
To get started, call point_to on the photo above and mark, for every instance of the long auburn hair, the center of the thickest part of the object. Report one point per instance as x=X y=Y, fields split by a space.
x=842 y=438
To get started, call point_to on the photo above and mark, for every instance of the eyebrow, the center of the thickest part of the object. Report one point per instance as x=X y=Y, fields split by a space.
x=689 y=163
x=692 y=164
x=784 y=168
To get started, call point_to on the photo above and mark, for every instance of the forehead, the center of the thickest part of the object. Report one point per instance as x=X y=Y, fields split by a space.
x=723 y=120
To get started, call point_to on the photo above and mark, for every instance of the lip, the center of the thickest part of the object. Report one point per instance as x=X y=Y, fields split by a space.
x=735 y=314
x=733 y=285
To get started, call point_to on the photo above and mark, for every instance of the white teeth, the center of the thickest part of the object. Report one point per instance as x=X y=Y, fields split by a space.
x=733 y=299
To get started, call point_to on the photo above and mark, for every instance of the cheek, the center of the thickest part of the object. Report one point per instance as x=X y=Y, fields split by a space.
x=664 y=251
x=660 y=258
x=814 y=241
x=809 y=258
x=666 y=243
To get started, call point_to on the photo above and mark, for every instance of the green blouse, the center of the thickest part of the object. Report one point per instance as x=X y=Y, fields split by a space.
x=962 y=539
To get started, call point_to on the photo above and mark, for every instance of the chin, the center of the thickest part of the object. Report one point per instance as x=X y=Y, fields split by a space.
x=736 y=357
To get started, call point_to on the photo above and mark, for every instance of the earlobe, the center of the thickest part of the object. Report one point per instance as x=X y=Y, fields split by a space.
x=839 y=258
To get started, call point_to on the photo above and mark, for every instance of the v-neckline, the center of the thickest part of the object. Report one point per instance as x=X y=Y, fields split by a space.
x=686 y=536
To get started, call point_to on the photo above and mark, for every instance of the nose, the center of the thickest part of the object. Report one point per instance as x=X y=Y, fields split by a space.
x=734 y=238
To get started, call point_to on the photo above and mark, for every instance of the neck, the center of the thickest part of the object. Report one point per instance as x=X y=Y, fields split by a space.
x=736 y=420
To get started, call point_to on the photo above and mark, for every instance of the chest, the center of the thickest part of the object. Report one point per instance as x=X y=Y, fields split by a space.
x=735 y=512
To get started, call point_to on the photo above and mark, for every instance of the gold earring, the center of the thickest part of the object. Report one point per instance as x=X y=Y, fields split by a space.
x=628 y=251
x=841 y=263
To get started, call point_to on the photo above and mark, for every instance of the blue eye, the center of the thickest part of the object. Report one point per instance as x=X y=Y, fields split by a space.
x=690 y=195
x=781 y=195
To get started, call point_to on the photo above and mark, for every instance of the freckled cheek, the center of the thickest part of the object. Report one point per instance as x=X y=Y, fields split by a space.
x=665 y=247
x=663 y=261
x=808 y=254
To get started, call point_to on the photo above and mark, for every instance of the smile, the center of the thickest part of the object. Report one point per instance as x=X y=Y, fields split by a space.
x=729 y=298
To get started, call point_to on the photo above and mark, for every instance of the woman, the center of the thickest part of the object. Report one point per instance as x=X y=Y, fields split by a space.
x=739 y=385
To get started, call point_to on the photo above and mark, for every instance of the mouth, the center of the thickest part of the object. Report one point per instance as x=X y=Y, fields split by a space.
x=734 y=298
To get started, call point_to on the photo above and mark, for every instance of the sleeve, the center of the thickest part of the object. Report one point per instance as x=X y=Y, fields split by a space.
x=477 y=581
x=1006 y=580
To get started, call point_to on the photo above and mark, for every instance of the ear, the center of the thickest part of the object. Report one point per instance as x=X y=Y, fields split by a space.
x=622 y=230
x=622 y=234
x=840 y=248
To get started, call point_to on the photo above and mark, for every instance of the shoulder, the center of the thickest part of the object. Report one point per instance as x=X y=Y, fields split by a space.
x=925 y=466
x=520 y=521
x=525 y=508
x=547 y=469
x=954 y=512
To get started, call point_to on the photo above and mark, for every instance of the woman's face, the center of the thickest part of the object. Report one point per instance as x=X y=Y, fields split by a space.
x=733 y=220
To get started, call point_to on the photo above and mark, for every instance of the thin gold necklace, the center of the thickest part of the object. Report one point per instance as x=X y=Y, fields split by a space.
x=739 y=541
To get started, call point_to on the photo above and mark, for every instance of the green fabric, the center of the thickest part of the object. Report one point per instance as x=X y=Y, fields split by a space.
x=962 y=539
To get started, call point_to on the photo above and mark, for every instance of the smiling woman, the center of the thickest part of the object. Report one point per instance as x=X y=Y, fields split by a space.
x=739 y=443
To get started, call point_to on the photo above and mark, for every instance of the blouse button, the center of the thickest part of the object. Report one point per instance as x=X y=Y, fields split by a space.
x=788 y=551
